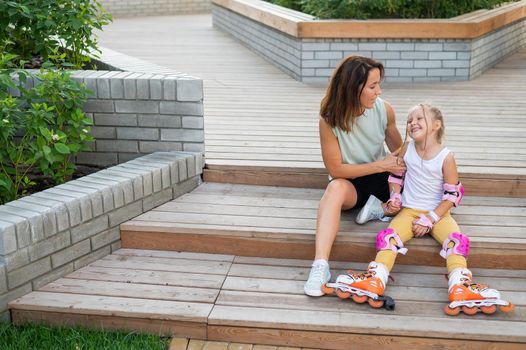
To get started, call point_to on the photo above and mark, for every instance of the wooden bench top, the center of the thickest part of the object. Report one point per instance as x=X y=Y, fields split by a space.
x=468 y=26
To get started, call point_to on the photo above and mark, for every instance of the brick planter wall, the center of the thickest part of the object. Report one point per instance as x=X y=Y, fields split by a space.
x=406 y=60
x=51 y=233
x=139 y=108
x=131 y=8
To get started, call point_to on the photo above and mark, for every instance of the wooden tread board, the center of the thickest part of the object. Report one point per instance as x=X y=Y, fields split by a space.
x=167 y=292
x=248 y=101
x=256 y=297
x=225 y=213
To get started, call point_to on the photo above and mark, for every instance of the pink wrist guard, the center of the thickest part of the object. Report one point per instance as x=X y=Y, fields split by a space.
x=395 y=196
x=424 y=221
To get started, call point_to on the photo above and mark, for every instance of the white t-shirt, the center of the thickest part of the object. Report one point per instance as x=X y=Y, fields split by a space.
x=424 y=179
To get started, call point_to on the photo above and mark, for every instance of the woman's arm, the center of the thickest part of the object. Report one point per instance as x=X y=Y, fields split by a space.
x=332 y=158
x=392 y=135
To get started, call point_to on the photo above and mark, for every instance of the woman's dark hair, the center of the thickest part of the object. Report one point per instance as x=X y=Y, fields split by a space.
x=341 y=104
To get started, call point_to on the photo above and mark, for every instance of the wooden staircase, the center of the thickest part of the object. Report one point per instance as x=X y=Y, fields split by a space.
x=228 y=262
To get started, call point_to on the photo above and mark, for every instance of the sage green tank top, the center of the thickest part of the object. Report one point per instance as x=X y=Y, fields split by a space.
x=365 y=142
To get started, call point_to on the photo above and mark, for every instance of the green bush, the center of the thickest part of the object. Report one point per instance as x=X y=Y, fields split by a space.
x=370 y=9
x=58 y=31
x=41 y=130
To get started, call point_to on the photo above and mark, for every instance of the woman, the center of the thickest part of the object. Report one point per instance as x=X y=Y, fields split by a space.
x=354 y=124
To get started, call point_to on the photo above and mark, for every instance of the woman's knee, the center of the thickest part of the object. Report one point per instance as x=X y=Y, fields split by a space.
x=339 y=190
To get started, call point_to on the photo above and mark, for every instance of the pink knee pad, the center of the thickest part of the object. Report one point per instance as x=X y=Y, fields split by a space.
x=383 y=241
x=460 y=247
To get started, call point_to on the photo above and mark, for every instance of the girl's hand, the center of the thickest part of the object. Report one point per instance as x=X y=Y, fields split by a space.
x=392 y=208
x=419 y=230
x=393 y=164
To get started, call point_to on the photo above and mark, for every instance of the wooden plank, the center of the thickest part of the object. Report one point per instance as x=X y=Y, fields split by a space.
x=341 y=341
x=432 y=327
x=430 y=303
x=161 y=327
x=176 y=255
x=131 y=290
x=182 y=279
x=401 y=279
x=403 y=293
x=112 y=306
x=163 y=264
x=491 y=256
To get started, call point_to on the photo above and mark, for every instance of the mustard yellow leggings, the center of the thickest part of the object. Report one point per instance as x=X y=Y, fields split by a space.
x=402 y=224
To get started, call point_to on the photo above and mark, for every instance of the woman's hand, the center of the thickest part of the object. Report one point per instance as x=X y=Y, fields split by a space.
x=393 y=164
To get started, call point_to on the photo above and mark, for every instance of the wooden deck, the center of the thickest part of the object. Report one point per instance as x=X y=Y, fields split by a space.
x=259 y=300
x=261 y=125
x=280 y=222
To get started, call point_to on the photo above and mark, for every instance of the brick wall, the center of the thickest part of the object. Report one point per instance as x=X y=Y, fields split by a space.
x=405 y=60
x=139 y=108
x=51 y=233
x=131 y=8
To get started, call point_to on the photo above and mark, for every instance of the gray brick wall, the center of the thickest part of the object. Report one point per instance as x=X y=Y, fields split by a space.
x=131 y=8
x=92 y=209
x=135 y=105
x=406 y=60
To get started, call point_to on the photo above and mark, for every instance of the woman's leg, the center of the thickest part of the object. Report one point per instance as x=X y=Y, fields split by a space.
x=339 y=195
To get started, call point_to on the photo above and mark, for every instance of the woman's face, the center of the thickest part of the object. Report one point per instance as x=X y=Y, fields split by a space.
x=371 y=89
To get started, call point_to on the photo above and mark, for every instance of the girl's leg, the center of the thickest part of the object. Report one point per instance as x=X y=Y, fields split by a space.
x=464 y=294
x=402 y=226
x=339 y=195
x=374 y=280
x=441 y=232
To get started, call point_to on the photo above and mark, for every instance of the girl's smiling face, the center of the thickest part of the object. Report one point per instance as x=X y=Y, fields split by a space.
x=371 y=89
x=420 y=125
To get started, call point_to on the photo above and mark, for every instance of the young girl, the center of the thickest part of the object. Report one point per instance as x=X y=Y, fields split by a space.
x=430 y=189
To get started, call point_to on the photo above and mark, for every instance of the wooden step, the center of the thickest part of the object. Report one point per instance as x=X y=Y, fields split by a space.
x=475 y=181
x=261 y=300
x=279 y=222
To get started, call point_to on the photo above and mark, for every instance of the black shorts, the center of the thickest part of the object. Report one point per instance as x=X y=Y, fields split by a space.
x=374 y=184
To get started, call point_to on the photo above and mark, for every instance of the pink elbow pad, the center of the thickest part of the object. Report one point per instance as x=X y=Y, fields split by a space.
x=453 y=193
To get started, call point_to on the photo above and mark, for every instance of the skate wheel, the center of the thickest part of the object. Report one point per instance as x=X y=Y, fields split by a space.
x=327 y=290
x=451 y=311
x=360 y=299
x=469 y=310
x=488 y=310
x=376 y=304
x=342 y=294
x=507 y=308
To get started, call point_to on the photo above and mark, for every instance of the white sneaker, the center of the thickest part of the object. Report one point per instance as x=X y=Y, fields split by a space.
x=372 y=210
x=319 y=275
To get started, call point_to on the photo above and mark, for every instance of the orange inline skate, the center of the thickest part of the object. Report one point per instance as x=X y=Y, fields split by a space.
x=470 y=298
x=361 y=287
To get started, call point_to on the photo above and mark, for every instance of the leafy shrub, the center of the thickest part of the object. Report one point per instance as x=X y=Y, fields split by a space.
x=58 y=31
x=41 y=130
x=369 y=9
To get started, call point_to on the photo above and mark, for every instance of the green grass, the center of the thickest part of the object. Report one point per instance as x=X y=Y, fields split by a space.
x=39 y=337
